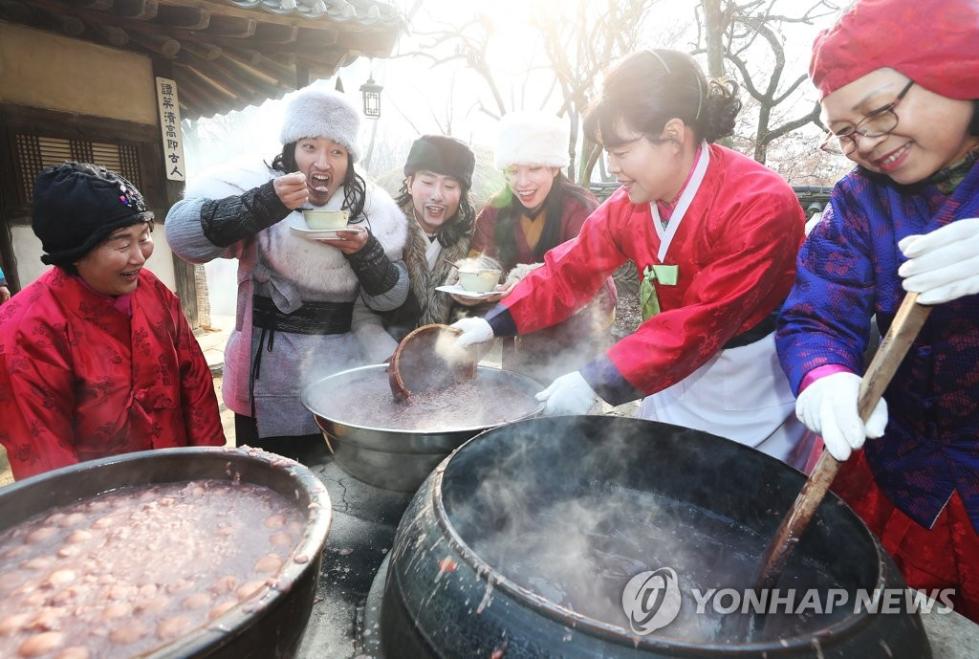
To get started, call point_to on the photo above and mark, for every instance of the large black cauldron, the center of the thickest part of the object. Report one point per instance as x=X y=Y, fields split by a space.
x=442 y=598
x=272 y=625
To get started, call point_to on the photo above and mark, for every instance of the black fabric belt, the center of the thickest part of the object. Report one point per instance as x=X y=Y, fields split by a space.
x=759 y=331
x=311 y=318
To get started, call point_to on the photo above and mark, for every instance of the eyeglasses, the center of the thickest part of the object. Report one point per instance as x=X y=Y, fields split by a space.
x=878 y=123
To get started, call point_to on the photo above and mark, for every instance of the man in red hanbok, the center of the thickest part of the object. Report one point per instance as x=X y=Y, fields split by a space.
x=713 y=235
x=96 y=357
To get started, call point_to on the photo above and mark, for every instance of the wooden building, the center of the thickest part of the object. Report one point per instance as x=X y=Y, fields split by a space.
x=78 y=80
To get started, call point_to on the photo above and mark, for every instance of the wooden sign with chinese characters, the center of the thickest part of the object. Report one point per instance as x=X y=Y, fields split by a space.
x=173 y=147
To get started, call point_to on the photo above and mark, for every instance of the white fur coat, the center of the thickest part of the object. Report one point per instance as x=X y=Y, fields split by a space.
x=296 y=268
x=290 y=269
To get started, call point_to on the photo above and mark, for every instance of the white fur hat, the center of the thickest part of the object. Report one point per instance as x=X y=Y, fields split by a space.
x=532 y=138
x=319 y=111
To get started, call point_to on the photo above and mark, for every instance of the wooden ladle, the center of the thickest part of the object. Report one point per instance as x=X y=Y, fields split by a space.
x=427 y=361
x=907 y=323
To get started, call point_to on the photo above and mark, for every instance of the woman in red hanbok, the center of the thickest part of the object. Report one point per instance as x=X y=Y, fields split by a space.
x=538 y=209
x=713 y=236
x=96 y=357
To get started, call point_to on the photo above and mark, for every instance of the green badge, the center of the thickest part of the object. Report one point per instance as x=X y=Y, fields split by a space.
x=666 y=274
x=648 y=300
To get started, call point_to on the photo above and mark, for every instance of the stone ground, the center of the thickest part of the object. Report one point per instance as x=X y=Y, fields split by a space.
x=627 y=318
x=627 y=312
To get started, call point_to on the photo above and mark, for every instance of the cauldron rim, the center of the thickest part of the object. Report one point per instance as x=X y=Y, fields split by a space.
x=833 y=633
x=212 y=634
x=322 y=419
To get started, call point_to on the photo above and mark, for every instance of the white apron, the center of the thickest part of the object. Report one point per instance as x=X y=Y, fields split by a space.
x=740 y=393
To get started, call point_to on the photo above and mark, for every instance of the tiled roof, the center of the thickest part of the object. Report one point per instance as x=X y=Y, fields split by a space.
x=365 y=12
x=227 y=54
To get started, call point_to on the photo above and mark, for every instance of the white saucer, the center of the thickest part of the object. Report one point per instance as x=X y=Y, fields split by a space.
x=457 y=289
x=317 y=234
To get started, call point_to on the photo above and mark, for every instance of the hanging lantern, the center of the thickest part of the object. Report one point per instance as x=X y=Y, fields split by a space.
x=371 y=92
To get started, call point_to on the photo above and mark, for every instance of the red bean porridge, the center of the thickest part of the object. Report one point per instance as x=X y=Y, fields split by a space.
x=131 y=570
x=366 y=400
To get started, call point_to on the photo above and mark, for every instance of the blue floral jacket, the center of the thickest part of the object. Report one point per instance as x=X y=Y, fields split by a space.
x=847 y=272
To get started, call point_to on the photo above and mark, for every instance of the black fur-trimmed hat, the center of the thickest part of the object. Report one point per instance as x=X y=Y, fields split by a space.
x=442 y=155
x=77 y=205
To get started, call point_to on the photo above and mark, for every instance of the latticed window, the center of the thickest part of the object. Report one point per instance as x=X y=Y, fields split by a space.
x=35 y=152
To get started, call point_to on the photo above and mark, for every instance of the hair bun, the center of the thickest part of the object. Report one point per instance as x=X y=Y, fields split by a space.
x=721 y=109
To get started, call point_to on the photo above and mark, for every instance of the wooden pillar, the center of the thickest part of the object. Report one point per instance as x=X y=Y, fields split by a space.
x=183 y=272
x=8 y=260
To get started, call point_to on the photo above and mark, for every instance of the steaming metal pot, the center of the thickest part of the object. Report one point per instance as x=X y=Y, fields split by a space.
x=389 y=457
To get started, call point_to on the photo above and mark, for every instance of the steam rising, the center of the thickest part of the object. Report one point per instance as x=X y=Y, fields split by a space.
x=563 y=526
x=363 y=398
x=449 y=352
x=478 y=262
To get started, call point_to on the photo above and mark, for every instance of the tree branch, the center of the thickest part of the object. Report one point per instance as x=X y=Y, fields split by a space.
x=777 y=50
x=790 y=126
x=488 y=112
x=404 y=116
x=745 y=77
x=788 y=92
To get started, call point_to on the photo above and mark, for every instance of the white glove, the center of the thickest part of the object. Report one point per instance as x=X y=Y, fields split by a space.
x=943 y=265
x=568 y=394
x=474 y=330
x=828 y=407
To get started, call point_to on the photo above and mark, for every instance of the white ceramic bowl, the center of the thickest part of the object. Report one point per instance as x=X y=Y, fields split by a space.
x=326 y=220
x=479 y=281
